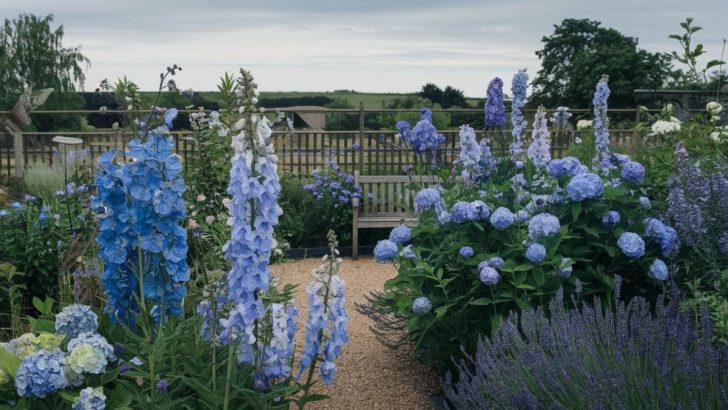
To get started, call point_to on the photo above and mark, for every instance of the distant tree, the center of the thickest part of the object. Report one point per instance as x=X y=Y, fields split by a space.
x=576 y=55
x=432 y=92
x=448 y=98
x=32 y=55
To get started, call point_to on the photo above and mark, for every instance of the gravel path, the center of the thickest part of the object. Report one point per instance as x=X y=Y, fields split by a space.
x=369 y=376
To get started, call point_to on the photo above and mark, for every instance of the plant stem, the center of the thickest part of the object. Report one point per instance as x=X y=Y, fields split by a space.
x=229 y=375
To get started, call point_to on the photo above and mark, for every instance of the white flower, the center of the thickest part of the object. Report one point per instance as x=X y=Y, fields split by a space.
x=720 y=134
x=714 y=108
x=584 y=124
x=209 y=219
x=201 y=198
x=662 y=127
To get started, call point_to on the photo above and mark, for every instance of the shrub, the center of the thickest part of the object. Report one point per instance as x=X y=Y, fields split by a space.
x=593 y=357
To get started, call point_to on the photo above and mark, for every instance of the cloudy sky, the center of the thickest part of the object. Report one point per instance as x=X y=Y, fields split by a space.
x=366 y=45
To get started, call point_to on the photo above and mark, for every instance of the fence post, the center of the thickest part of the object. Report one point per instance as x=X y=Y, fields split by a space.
x=18 y=148
x=361 y=137
x=635 y=133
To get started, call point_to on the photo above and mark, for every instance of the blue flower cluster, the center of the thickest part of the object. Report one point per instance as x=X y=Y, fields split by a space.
x=502 y=218
x=466 y=252
x=536 y=252
x=488 y=275
x=96 y=341
x=658 y=270
x=585 y=186
x=632 y=245
x=602 y=157
x=665 y=236
x=333 y=185
x=540 y=149
x=429 y=198
x=424 y=137
x=41 y=374
x=90 y=399
x=519 y=87
x=421 y=305
x=139 y=207
x=76 y=319
x=385 y=251
x=633 y=172
x=408 y=253
x=565 y=268
x=567 y=166
x=72 y=189
x=400 y=234
x=611 y=219
x=495 y=109
x=487 y=162
x=542 y=226
x=470 y=154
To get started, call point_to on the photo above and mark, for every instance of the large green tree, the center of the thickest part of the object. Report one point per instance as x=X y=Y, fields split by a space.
x=32 y=55
x=576 y=55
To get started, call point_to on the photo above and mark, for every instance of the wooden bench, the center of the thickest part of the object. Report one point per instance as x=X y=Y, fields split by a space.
x=386 y=201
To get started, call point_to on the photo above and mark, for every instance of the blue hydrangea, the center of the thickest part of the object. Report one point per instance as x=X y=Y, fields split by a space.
x=421 y=305
x=522 y=216
x=428 y=198
x=536 y=252
x=495 y=109
x=658 y=270
x=489 y=276
x=496 y=262
x=332 y=185
x=90 y=399
x=665 y=236
x=611 y=219
x=585 y=186
x=385 y=251
x=631 y=245
x=408 y=253
x=502 y=218
x=633 y=172
x=482 y=210
x=95 y=340
x=645 y=203
x=400 y=234
x=463 y=212
x=466 y=252
x=424 y=137
x=76 y=319
x=565 y=268
x=542 y=226
x=41 y=374
x=567 y=166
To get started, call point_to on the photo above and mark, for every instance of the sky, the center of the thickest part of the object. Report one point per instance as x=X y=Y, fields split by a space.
x=365 y=45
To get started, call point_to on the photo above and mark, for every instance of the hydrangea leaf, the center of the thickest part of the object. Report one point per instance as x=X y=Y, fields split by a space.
x=9 y=362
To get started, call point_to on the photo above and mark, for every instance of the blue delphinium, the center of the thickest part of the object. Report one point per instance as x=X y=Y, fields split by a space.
x=469 y=154
x=41 y=374
x=496 y=262
x=602 y=157
x=561 y=167
x=421 y=305
x=585 y=186
x=519 y=87
x=487 y=162
x=463 y=212
x=543 y=225
x=76 y=319
x=90 y=399
x=540 y=149
x=495 y=109
x=466 y=252
x=385 y=251
x=610 y=219
x=429 y=198
x=502 y=218
x=400 y=234
x=140 y=207
x=632 y=245
x=536 y=252
x=633 y=172
x=658 y=270
x=488 y=275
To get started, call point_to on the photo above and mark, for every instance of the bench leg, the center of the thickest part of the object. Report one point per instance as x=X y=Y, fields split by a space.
x=355 y=239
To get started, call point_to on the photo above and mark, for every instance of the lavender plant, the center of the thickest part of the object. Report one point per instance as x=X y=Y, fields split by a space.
x=595 y=357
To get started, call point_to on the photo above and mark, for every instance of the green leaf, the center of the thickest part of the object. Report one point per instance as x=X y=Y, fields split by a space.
x=42 y=325
x=38 y=304
x=575 y=210
x=481 y=302
x=9 y=362
x=440 y=311
x=523 y=268
x=69 y=395
x=523 y=304
x=526 y=286
x=495 y=323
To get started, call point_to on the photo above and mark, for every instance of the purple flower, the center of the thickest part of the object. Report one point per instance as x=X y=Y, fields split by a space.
x=495 y=262
x=162 y=386
x=495 y=110
x=658 y=270
x=489 y=276
x=610 y=219
x=355 y=147
x=466 y=252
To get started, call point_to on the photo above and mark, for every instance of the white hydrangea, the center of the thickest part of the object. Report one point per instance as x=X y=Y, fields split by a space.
x=662 y=127
x=714 y=108
x=584 y=124
x=720 y=134
x=85 y=358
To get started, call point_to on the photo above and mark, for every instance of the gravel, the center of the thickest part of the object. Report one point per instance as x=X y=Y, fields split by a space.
x=369 y=375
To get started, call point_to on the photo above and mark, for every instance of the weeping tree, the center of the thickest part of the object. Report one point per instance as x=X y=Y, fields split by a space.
x=32 y=55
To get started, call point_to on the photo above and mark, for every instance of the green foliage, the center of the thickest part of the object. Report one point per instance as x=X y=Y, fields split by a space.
x=450 y=97
x=579 y=52
x=688 y=55
x=388 y=120
x=11 y=299
x=44 y=180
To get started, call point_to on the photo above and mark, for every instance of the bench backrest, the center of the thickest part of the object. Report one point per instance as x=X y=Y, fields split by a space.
x=390 y=195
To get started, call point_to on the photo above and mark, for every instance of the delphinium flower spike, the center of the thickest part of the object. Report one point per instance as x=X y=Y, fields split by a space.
x=540 y=150
x=602 y=157
x=519 y=87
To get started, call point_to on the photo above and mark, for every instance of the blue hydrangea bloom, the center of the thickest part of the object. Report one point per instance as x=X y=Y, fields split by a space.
x=495 y=109
x=522 y=216
x=466 y=252
x=535 y=252
x=565 y=268
x=90 y=399
x=385 y=251
x=666 y=236
x=585 y=186
x=611 y=218
x=76 y=319
x=567 y=166
x=424 y=137
x=496 y=262
x=633 y=172
x=428 y=198
x=489 y=276
x=645 y=203
x=631 y=245
x=421 y=305
x=463 y=212
x=481 y=209
x=41 y=374
x=400 y=234
x=95 y=340
x=658 y=270
x=542 y=226
x=408 y=253
x=502 y=218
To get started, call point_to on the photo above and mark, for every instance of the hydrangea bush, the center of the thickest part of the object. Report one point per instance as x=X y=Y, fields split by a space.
x=532 y=231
